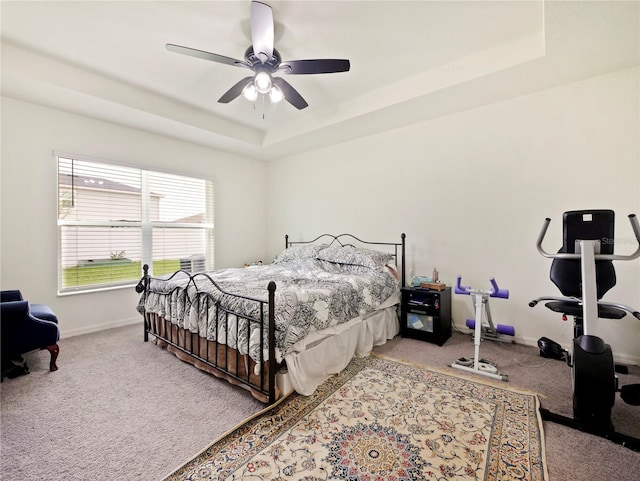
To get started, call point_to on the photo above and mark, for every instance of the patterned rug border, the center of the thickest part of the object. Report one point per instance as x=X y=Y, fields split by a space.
x=334 y=383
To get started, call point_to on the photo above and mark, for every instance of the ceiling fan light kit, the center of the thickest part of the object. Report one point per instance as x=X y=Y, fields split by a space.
x=275 y=94
x=263 y=82
x=250 y=92
x=265 y=61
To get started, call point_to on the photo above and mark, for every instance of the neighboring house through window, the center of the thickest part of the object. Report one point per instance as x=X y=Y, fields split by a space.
x=112 y=219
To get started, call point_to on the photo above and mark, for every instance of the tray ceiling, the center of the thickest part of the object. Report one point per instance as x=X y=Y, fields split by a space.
x=410 y=62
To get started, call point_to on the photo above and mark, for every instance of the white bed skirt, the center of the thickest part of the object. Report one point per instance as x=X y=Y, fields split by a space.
x=321 y=354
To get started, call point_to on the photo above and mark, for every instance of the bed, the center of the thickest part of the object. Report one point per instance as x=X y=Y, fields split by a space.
x=284 y=326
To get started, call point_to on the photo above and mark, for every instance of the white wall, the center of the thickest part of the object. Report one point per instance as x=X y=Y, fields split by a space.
x=471 y=191
x=30 y=133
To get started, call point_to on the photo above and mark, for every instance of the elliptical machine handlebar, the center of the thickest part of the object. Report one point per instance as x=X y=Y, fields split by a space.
x=497 y=292
x=494 y=292
x=612 y=257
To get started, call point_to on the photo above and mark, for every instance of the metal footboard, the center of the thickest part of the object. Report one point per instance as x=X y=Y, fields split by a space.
x=217 y=357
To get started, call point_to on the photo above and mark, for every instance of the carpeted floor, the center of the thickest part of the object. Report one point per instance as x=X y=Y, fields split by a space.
x=119 y=408
x=382 y=419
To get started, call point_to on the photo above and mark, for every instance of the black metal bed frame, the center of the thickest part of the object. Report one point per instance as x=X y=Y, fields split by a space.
x=339 y=239
x=264 y=388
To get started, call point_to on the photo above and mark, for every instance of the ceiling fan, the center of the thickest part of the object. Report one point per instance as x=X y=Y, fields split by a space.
x=265 y=61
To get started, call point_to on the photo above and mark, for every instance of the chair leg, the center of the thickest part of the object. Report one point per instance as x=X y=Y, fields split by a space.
x=54 y=350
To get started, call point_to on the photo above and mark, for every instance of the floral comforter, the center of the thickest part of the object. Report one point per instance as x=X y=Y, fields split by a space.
x=311 y=295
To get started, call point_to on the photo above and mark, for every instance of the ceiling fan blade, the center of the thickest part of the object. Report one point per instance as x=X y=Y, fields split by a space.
x=290 y=94
x=301 y=67
x=235 y=91
x=262 y=30
x=214 y=57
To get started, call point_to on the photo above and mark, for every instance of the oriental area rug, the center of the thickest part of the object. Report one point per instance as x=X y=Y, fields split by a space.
x=384 y=420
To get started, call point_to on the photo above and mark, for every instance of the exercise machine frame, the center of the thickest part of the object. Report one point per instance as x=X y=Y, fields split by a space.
x=489 y=330
x=594 y=382
x=480 y=366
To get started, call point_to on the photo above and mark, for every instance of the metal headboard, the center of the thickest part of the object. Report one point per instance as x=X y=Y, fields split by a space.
x=348 y=239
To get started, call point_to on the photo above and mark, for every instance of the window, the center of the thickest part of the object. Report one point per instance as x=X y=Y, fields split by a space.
x=113 y=219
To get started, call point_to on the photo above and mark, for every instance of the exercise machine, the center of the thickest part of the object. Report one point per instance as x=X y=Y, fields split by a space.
x=478 y=365
x=490 y=331
x=583 y=272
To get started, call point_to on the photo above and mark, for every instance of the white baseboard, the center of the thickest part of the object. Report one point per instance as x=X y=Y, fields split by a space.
x=527 y=341
x=100 y=327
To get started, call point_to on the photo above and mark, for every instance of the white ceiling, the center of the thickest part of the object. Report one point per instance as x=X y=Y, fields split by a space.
x=410 y=61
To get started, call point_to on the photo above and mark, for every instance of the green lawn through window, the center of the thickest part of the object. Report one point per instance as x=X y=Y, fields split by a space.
x=107 y=274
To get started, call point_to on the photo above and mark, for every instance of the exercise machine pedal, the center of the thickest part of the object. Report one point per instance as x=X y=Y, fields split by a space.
x=630 y=394
x=551 y=349
x=621 y=369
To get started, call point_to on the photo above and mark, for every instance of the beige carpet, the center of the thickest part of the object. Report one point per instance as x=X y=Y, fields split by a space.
x=383 y=420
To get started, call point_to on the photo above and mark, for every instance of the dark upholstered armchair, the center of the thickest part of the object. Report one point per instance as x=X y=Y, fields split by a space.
x=26 y=327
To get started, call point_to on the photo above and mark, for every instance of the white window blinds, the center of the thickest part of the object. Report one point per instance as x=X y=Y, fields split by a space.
x=113 y=219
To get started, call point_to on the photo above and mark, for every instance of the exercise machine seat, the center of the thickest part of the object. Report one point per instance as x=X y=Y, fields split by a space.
x=575 y=309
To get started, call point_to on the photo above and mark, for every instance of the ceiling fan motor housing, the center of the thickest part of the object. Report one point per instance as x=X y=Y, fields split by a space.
x=271 y=65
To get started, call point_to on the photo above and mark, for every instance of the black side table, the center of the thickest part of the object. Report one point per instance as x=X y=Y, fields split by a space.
x=425 y=314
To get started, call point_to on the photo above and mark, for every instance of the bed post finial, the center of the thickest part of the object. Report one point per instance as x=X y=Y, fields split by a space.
x=143 y=286
x=403 y=237
x=286 y=241
x=271 y=287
